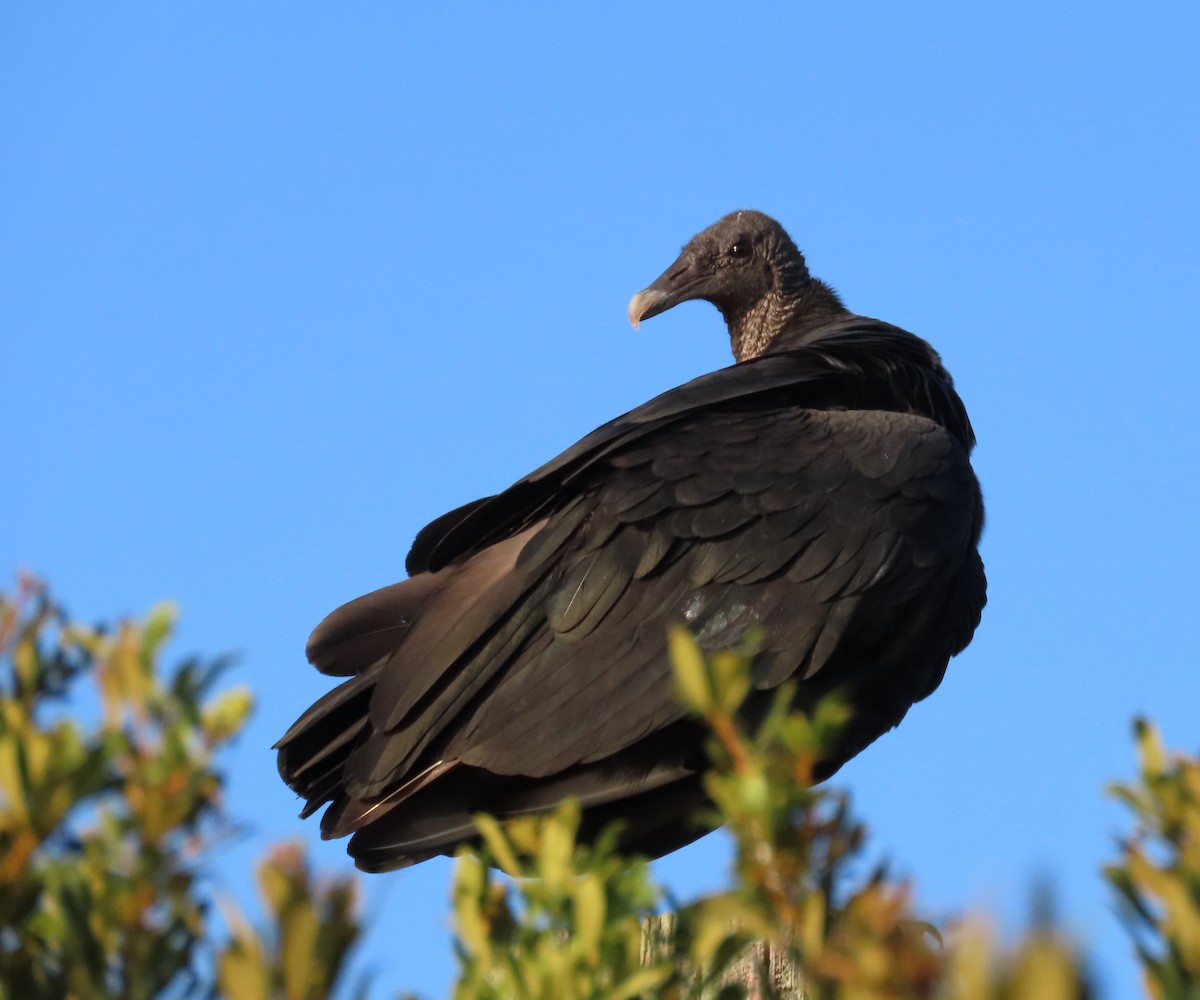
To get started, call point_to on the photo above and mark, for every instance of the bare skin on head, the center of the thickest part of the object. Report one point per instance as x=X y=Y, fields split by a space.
x=749 y=268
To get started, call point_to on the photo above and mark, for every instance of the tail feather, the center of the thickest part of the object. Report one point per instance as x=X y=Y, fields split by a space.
x=339 y=746
x=359 y=638
x=342 y=700
x=369 y=628
x=422 y=805
x=437 y=816
x=349 y=813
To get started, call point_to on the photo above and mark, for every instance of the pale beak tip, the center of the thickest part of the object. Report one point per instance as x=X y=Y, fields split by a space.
x=635 y=313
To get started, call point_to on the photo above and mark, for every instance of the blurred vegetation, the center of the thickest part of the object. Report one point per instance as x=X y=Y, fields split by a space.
x=1157 y=877
x=111 y=805
x=804 y=917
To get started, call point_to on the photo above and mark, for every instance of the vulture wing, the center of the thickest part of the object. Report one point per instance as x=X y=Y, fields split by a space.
x=822 y=495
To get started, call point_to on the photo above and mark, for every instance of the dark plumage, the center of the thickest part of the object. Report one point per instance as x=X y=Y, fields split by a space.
x=819 y=490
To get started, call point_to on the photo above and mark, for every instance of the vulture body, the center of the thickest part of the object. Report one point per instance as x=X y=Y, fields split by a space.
x=818 y=491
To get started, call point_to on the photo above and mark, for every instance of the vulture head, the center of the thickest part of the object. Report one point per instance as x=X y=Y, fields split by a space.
x=748 y=267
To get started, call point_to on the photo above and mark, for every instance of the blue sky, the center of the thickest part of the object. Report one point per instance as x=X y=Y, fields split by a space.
x=280 y=282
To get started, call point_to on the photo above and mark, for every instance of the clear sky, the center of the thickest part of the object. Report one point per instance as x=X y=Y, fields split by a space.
x=279 y=282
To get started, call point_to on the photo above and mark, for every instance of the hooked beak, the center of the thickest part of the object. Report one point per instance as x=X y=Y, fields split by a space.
x=676 y=284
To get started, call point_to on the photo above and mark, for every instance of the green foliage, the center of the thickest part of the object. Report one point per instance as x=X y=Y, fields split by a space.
x=314 y=929
x=1157 y=878
x=574 y=930
x=799 y=919
x=110 y=799
x=796 y=849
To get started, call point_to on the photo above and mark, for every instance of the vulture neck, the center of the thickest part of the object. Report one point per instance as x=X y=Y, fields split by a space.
x=793 y=308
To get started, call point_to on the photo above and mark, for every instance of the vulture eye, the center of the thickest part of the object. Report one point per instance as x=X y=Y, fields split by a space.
x=740 y=248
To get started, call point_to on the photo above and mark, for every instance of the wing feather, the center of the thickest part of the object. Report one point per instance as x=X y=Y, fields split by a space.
x=821 y=495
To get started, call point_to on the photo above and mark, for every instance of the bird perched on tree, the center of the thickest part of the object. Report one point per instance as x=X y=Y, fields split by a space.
x=818 y=491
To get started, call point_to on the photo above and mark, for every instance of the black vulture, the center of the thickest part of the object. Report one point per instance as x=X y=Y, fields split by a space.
x=818 y=491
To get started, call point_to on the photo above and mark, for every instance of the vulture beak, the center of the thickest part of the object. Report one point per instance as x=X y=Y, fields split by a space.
x=676 y=284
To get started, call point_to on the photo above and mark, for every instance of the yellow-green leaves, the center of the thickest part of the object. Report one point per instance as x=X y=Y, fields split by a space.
x=691 y=674
x=100 y=822
x=570 y=927
x=565 y=923
x=223 y=717
x=108 y=803
x=716 y=685
x=315 y=926
x=1157 y=877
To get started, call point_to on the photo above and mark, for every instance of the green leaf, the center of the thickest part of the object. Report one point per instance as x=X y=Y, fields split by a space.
x=498 y=845
x=158 y=625
x=641 y=983
x=691 y=674
x=300 y=931
x=241 y=974
x=223 y=717
x=590 y=911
